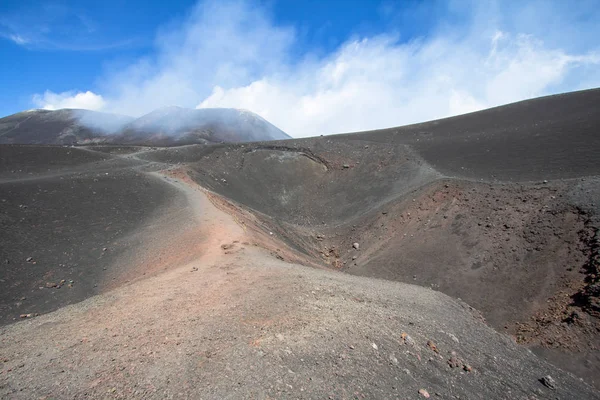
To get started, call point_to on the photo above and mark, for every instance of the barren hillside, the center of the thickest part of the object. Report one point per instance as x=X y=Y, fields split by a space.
x=417 y=261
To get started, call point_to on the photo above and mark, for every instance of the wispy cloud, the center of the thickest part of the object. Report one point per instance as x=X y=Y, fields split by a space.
x=55 y=101
x=56 y=27
x=232 y=54
x=231 y=42
x=376 y=83
x=18 y=39
x=90 y=46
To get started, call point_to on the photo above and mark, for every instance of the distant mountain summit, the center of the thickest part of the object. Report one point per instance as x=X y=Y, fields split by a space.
x=205 y=124
x=67 y=126
x=164 y=126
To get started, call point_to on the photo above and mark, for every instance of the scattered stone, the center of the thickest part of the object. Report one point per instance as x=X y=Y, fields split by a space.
x=467 y=368
x=407 y=339
x=453 y=362
x=545 y=181
x=374 y=346
x=549 y=382
x=393 y=359
x=453 y=337
x=424 y=393
x=354 y=258
x=346 y=166
x=432 y=346
x=355 y=245
x=104 y=249
x=29 y=259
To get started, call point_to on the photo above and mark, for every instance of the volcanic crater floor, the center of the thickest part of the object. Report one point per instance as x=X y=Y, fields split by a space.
x=237 y=322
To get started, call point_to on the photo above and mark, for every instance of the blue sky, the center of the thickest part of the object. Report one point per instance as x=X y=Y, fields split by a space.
x=310 y=67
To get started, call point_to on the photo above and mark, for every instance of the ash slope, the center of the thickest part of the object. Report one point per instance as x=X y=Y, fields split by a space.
x=163 y=127
x=68 y=220
x=553 y=137
x=498 y=207
x=254 y=327
x=236 y=322
x=273 y=329
x=67 y=126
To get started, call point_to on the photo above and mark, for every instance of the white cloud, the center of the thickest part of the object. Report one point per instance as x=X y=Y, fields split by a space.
x=378 y=83
x=55 y=101
x=231 y=42
x=21 y=40
x=232 y=54
x=18 y=39
x=55 y=26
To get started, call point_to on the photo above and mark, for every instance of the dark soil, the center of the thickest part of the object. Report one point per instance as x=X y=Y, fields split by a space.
x=73 y=224
x=498 y=208
x=22 y=160
x=552 y=137
x=503 y=221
